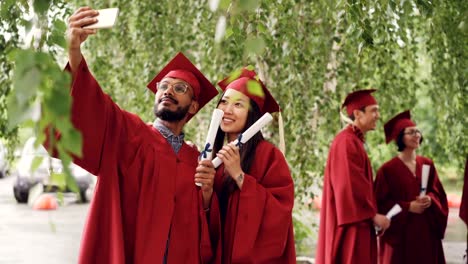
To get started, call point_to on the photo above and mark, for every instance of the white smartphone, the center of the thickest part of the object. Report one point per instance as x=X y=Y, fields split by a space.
x=106 y=18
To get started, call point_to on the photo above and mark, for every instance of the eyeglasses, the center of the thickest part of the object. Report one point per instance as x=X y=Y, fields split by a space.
x=179 y=88
x=413 y=132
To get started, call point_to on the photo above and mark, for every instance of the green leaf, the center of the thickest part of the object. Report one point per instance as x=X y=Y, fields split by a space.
x=250 y=67
x=26 y=84
x=234 y=75
x=224 y=4
x=41 y=6
x=17 y=112
x=36 y=162
x=58 y=34
x=60 y=108
x=255 y=46
x=72 y=142
x=261 y=28
x=228 y=33
x=60 y=198
x=5 y=7
x=66 y=161
x=71 y=182
x=58 y=179
x=248 y=5
x=255 y=88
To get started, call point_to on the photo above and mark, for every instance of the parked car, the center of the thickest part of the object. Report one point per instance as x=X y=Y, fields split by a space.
x=26 y=178
x=3 y=160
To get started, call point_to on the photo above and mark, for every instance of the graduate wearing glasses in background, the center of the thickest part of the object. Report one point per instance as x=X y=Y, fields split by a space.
x=416 y=233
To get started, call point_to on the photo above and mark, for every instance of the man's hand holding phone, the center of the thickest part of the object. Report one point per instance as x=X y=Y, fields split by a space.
x=106 y=19
x=84 y=22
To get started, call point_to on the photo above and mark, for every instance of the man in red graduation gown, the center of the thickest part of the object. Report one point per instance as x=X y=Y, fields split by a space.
x=349 y=213
x=146 y=207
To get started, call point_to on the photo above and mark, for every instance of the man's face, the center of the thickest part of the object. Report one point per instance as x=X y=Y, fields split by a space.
x=367 y=120
x=173 y=103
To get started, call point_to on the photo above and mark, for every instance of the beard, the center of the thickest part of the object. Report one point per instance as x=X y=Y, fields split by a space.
x=171 y=116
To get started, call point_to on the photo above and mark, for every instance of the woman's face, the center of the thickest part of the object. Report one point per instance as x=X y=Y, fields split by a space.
x=412 y=137
x=235 y=106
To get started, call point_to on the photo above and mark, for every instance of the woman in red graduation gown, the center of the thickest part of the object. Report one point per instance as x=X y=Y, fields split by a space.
x=415 y=235
x=254 y=183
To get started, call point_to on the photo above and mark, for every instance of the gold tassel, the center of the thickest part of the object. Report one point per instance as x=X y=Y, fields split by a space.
x=344 y=119
x=282 y=143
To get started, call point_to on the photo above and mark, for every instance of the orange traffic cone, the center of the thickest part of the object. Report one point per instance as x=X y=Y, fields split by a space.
x=454 y=201
x=45 y=202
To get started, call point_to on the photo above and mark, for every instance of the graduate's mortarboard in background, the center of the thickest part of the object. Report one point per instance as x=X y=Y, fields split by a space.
x=359 y=99
x=394 y=126
x=181 y=67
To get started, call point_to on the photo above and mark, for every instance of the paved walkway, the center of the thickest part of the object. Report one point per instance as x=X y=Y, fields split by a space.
x=53 y=237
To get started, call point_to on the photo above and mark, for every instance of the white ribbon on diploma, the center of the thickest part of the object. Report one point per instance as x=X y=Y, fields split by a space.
x=207 y=152
x=249 y=133
x=396 y=209
x=424 y=178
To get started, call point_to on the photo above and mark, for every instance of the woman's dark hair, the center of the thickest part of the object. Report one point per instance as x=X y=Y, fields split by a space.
x=399 y=141
x=247 y=150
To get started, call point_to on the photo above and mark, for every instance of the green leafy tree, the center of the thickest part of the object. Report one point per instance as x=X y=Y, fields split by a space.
x=309 y=53
x=35 y=91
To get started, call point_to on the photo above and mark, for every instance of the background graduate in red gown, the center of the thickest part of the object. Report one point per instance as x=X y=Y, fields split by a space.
x=464 y=202
x=146 y=207
x=254 y=184
x=349 y=213
x=416 y=233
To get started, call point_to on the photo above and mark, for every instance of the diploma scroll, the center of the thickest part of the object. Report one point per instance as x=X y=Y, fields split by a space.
x=424 y=178
x=396 y=209
x=249 y=133
x=207 y=152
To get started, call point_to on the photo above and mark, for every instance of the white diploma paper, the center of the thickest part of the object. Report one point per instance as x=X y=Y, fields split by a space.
x=249 y=133
x=396 y=209
x=424 y=177
x=207 y=152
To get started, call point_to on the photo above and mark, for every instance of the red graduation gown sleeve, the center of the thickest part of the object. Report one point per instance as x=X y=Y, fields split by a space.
x=438 y=211
x=258 y=226
x=144 y=189
x=411 y=237
x=346 y=232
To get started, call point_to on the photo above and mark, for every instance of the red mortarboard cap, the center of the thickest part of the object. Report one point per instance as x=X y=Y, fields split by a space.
x=358 y=100
x=263 y=99
x=395 y=125
x=181 y=67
